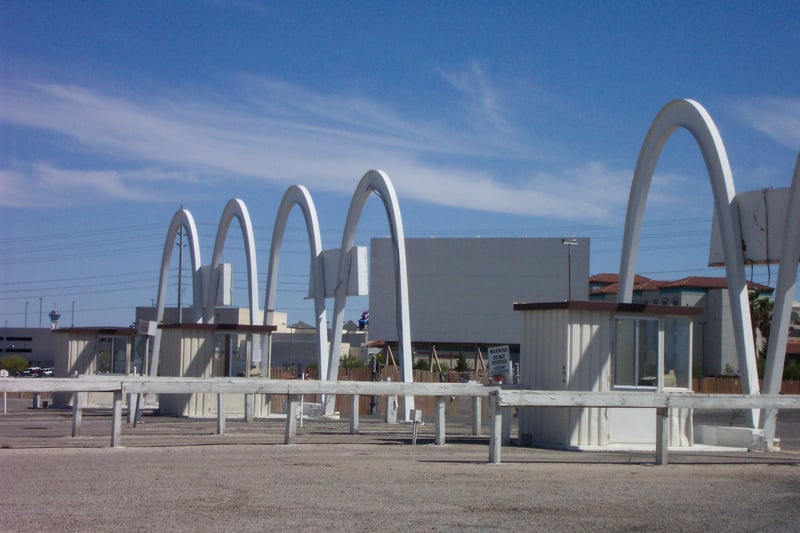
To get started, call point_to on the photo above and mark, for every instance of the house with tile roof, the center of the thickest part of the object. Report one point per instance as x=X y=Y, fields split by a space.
x=713 y=342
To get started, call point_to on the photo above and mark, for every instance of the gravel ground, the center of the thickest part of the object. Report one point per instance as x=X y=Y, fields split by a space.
x=176 y=475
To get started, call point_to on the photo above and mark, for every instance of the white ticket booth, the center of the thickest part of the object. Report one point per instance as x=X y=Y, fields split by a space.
x=604 y=346
x=211 y=350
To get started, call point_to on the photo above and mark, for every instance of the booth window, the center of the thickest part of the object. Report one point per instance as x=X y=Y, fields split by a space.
x=652 y=353
x=112 y=353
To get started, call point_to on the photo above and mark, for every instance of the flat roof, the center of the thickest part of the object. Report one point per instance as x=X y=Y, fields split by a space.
x=238 y=328
x=99 y=330
x=611 y=307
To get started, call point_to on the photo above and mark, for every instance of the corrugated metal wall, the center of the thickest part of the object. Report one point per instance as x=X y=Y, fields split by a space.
x=571 y=350
x=190 y=353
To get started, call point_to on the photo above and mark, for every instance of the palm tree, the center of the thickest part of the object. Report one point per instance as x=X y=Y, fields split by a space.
x=761 y=315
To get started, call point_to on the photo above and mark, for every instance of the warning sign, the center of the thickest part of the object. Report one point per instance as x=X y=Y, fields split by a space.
x=499 y=360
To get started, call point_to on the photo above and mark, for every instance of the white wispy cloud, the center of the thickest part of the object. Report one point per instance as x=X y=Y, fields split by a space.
x=271 y=130
x=475 y=85
x=779 y=118
x=41 y=184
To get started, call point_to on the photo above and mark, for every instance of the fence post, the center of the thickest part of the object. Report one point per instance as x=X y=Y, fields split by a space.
x=662 y=435
x=291 y=419
x=354 y=416
x=221 y=413
x=77 y=413
x=391 y=409
x=116 y=419
x=440 y=423
x=133 y=400
x=495 y=429
x=249 y=407
x=476 y=415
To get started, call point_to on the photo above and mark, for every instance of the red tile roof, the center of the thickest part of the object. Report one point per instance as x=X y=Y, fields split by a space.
x=608 y=278
x=707 y=282
x=642 y=283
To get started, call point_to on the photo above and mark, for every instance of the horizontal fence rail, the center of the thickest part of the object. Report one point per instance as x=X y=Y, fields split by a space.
x=141 y=385
x=662 y=402
x=501 y=399
x=167 y=385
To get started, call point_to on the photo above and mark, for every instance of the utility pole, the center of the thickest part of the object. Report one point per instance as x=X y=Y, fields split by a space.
x=40 y=311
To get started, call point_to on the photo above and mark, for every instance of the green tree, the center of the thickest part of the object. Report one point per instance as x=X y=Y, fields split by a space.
x=422 y=364
x=13 y=363
x=461 y=364
x=351 y=362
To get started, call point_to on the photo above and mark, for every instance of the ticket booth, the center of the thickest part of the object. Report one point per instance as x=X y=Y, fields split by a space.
x=604 y=346
x=93 y=351
x=211 y=350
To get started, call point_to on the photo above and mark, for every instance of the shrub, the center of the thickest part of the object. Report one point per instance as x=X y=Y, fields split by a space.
x=422 y=364
x=352 y=362
x=13 y=363
x=792 y=372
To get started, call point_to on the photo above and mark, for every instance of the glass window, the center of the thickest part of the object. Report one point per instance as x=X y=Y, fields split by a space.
x=636 y=352
x=677 y=352
x=112 y=355
x=652 y=352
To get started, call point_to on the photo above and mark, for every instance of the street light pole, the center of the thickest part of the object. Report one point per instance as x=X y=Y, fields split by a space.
x=569 y=243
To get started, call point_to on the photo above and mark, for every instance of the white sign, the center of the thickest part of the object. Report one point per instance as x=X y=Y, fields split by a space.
x=3 y=373
x=146 y=327
x=499 y=360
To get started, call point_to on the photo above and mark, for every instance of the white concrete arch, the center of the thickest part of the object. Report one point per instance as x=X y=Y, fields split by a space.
x=782 y=305
x=378 y=182
x=693 y=117
x=181 y=219
x=234 y=209
x=299 y=196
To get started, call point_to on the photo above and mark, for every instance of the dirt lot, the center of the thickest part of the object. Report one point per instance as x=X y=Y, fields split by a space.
x=177 y=475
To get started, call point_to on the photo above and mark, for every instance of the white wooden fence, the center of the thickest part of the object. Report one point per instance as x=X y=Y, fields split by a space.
x=135 y=385
x=501 y=400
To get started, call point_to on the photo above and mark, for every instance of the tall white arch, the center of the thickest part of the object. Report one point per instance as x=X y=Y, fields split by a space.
x=181 y=219
x=235 y=208
x=299 y=195
x=782 y=305
x=378 y=182
x=693 y=117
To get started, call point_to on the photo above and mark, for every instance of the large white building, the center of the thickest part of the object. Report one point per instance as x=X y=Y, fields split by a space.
x=463 y=290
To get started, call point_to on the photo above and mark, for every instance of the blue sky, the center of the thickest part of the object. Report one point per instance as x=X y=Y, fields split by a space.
x=497 y=119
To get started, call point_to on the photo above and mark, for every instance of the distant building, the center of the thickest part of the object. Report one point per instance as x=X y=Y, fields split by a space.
x=713 y=346
x=37 y=345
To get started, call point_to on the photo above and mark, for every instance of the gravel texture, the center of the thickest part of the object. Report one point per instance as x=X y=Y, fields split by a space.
x=177 y=475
